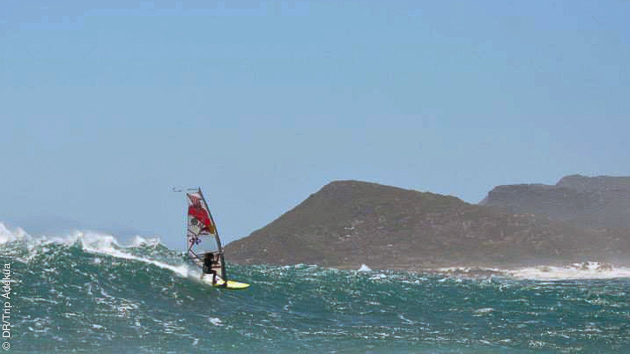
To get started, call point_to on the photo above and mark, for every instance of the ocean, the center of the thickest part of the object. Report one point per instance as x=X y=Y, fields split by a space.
x=87 y=293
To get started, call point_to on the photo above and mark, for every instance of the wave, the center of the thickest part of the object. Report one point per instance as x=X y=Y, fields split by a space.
x=364 y=268
x=18 y=242
x=584 y=270
x=575 y=271
x=7 y=236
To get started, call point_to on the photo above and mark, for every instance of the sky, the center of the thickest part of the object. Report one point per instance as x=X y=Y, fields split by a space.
x=105 y=106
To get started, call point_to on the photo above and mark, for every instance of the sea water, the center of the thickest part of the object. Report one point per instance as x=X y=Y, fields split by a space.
x=86 y=293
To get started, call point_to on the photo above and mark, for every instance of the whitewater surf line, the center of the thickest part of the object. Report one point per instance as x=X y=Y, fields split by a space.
x=181 y=270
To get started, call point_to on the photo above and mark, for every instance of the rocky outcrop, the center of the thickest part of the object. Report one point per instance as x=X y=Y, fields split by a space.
x=584 y=201
x=349 y=223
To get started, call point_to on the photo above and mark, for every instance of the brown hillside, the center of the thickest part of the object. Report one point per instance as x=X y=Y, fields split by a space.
x=349 y=223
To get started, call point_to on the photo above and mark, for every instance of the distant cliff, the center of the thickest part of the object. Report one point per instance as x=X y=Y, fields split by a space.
x=584 y=201
x=349 y=223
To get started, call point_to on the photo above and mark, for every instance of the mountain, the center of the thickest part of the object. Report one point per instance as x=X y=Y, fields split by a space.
x=349 y=223
x=584 y=201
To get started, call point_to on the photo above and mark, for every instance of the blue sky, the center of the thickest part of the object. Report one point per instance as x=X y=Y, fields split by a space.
x=105 y=105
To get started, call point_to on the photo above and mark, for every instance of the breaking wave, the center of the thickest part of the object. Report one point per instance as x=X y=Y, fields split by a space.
x=584 y=270
x=96 y=243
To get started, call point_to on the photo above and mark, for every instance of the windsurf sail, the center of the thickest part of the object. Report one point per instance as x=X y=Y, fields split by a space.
x=202 y=234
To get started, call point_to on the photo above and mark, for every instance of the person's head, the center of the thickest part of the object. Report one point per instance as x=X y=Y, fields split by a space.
x=209 y=256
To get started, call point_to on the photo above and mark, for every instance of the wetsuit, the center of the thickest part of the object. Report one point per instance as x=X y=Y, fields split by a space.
x=208 y=262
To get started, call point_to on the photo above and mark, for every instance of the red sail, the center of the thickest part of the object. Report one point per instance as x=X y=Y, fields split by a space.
x=197 y=214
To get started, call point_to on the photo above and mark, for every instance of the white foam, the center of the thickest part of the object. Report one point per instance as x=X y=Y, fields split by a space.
x=215 y=321
x=106 y=245
x=585 y=270
x=7 y=235
x=364 y=268
x=138 y=241
x=378 y=276
x=484 y=310
x=468 y=269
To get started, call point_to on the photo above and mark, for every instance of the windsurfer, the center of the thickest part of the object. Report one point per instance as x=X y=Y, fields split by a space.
x=209 y=262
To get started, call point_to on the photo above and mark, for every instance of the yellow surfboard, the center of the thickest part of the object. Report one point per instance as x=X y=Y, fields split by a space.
x=231 y=285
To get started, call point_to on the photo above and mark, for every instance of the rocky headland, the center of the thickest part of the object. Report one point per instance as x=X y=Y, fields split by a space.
x=350 y=223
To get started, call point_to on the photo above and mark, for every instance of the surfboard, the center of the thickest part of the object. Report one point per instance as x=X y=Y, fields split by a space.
x=204 y=244
x=231 y=285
